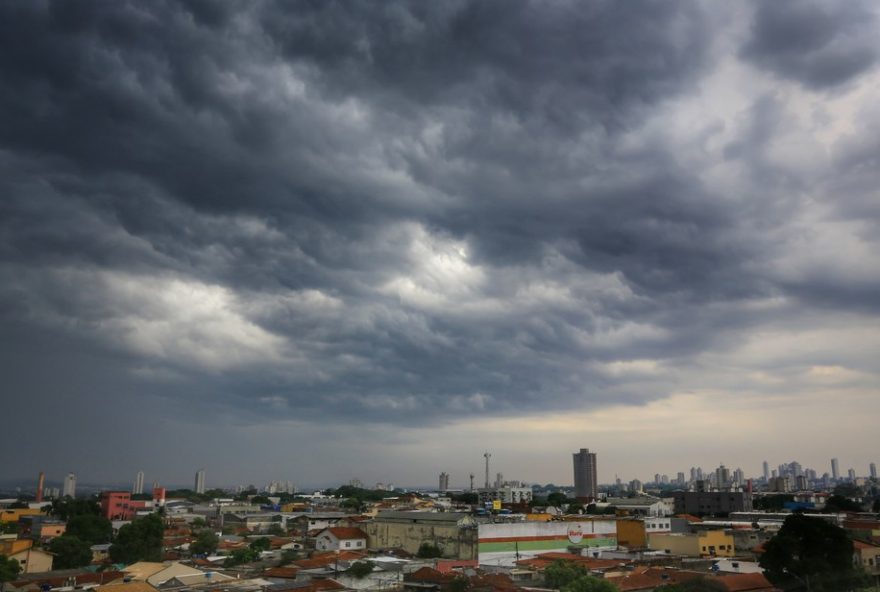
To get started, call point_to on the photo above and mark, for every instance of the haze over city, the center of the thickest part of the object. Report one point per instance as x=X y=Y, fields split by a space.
x=333 y=241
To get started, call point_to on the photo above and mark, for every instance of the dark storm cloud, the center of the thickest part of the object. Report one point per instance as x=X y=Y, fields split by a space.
x=401 y=212
x=820 y=44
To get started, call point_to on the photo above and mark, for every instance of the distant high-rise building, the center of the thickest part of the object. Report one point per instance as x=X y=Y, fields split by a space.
x=722 y=476
x=69 y=485
x=851 y=473
x=693 y=474
x=444 y=482
x=200 y=481
x=872 y=470
x=138 y=483
x=635 y=486
x=739 y=476
x=41 y=484
x=835 y=470
x=766 y=471
x=680 y=479
x=499 y=480
x=585 y=476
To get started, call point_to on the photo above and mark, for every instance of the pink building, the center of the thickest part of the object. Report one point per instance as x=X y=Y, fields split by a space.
x=118 y=505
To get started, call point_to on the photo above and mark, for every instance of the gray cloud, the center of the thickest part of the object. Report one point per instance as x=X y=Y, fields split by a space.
x=412 y=213
x=820 y=44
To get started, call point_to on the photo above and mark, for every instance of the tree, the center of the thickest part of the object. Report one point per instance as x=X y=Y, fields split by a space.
x=276 y=530
x=95 y=530
x=70 y=551
x=240 y=556
x=838 y=503
x=198 y=523
x=360 y=569
x=557 y=498
x=560 y=574
x=140 y=540
x=9 y=569
x=261 y=499
x=590 y=584
x=810 y=552
x=429 y=551
x=261 y=544
x=288 y=555
x=460 y=584
x=206 y=543
x=468 y=497
x=68 y=507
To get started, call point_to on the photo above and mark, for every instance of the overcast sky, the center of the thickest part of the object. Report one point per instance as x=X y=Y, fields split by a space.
x=320 y=241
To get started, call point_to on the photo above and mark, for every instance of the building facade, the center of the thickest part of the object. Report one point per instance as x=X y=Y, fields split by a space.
x=200 y=481
x=69 y=485
x=585 y=476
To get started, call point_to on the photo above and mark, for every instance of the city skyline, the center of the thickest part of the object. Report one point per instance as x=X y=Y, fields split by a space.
x=461 y=480
x=335 y=241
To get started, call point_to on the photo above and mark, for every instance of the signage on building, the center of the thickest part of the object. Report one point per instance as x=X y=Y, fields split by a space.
x=575 y=534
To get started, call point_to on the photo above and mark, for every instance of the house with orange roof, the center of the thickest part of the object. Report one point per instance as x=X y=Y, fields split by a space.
x=868 y=556
x=338 y=538
x=745 y=582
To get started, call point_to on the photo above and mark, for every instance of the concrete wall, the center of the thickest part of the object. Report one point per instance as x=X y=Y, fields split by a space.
x=499 y=543
x=456 y=542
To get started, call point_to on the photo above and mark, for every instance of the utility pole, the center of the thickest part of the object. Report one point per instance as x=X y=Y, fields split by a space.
x=487 y=456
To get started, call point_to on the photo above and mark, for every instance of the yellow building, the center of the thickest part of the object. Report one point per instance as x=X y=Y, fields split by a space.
x=33 y=560
x=708 y=543
x=868 y=556
x=13 y=514
x=631 y=533
x=12 y=545
x=539 y=517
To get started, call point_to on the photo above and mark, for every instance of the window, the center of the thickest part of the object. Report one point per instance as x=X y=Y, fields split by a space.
x=347 y=544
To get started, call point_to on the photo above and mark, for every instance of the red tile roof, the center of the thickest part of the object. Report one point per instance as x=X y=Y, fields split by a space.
x=347 y=532
x=325 y=559
x=648 y=578
x=281 y=572
x=746 y=582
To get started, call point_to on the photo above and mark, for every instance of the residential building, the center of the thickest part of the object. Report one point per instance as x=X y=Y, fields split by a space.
x=200 y=481
x=444 y=482
x=33 y=560
x=708 y=543
x=701 y=503
x=341 y=538
x=641 y=506
x=138 y=488
x=585 y=475
x=118 y=505
x=41 y=527
x=632 y=533
x=868 y=556
x=507 y=494
x=454 y=533
x=835 y=469
x=69 y=489
x=872 y=470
